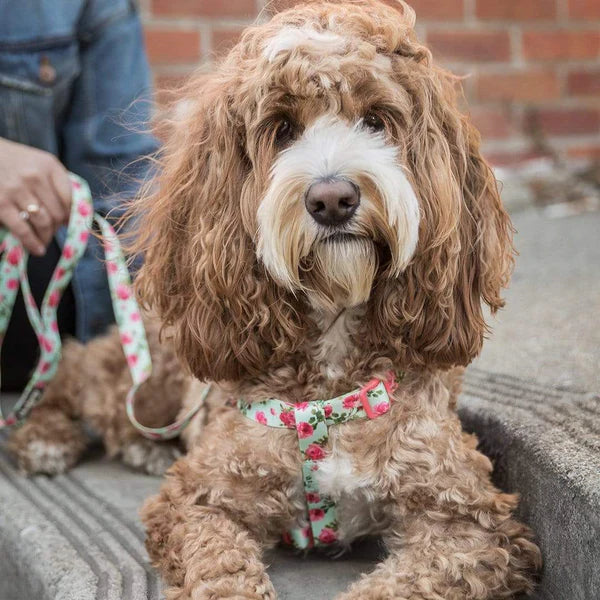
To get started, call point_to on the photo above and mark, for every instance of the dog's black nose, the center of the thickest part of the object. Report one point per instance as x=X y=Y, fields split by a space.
x=332 y=202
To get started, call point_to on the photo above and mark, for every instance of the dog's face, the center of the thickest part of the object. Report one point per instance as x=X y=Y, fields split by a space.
x=324 y=166
x=336 y=207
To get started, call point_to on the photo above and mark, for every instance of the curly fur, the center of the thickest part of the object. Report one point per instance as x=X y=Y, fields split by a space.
x=254 y=297
x=90 y=387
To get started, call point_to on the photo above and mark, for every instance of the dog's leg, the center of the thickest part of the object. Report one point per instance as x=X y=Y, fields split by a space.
x=443 y=558
x=197 y=537
x=454 y=541
x=52 y=439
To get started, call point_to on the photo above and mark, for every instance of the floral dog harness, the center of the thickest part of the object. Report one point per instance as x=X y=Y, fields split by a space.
x=312 y=420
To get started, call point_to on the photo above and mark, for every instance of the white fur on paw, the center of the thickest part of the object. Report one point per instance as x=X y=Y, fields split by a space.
x=46 y=457
x=150 y=457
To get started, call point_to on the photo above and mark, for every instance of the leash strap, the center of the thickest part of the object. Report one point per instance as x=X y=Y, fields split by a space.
x=13 y=274
x=312 y=420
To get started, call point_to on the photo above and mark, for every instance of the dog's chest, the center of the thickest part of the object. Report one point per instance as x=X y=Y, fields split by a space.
x=357 y=509
x=334 y=344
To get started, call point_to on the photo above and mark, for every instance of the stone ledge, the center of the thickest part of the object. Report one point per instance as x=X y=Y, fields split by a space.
x=78 y=536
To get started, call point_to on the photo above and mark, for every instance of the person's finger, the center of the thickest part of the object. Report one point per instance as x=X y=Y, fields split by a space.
x=61 y=184
x=48 y=199
x=39 y=218
x=23 y=230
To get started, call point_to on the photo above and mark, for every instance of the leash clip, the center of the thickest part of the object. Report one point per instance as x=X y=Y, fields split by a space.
x=32 y=398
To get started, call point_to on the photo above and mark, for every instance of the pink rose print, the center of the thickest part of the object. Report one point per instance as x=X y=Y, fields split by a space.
x=112 y=267
x=12 y=284
x=53 y=299
x=351 y=401
x=59 y=273
x=54 y=326
x=45 y=343
x=316 y=514
x=302 y=406
x=273 y=412
x=44 y=367
x=312 y=497
x=382 y=408
x=84 y=209
x=14 y=256
x=304 y=430
x=83 y=237
x=126 y=339
x=76 y=185
x=135 y=317
x=328 y=410
x=11 y=421
x=288 y=418
x=260 y=417
x=132 y=360
x=108 y=246
x=68 y=251
x=314 y=452
x=327 y=535
x=123 y=292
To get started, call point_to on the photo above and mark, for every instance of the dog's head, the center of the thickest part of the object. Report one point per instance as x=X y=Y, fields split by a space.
x=324 y=165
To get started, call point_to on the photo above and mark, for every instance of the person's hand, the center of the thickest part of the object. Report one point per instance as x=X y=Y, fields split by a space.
x=35 y=194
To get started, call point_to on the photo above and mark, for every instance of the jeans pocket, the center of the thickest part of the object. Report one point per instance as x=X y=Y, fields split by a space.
x=35 y=84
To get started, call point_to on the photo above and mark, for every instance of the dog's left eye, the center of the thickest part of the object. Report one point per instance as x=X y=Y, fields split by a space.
x=374 y=122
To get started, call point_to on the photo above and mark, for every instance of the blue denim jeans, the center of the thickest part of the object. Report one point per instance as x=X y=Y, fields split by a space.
x=74 y=81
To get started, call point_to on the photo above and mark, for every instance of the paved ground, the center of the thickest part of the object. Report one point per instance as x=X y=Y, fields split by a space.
x=550 y=328
x=78 y=537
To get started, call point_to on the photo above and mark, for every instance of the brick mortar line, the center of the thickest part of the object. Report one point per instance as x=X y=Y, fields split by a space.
x=504 y=67
x=520 y=142
x=534 y=24
x=196 y=21
x=562 y=10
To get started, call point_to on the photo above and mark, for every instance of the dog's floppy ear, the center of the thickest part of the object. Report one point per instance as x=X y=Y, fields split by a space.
x=433 y=314
x=200 y=273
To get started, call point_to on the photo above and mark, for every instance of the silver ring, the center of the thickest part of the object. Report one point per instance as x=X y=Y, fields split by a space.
x=24 y=215
x=33 y=209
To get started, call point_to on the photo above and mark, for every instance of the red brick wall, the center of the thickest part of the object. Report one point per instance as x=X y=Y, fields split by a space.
x=532 y=66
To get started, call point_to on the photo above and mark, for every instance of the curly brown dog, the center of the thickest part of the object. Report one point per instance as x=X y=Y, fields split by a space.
x=323 y=217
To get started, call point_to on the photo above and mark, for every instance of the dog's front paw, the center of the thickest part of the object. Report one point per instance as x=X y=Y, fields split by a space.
x=153 y=458
x=49 y=443
x=46 y=457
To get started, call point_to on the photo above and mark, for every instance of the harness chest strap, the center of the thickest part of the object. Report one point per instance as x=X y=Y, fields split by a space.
x=312 y=420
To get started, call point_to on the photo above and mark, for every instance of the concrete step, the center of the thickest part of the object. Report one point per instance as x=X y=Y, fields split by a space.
x=78 y=536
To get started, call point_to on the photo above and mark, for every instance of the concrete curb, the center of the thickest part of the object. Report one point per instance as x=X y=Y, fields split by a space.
x=78 y=537
x=545 y=444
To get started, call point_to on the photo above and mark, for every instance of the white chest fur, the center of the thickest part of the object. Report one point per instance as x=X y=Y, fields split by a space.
x=356 y=508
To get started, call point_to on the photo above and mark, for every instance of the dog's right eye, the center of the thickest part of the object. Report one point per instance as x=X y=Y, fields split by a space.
x=285 y=132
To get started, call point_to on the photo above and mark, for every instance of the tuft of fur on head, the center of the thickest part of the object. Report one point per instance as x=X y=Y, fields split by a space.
x=233 y=261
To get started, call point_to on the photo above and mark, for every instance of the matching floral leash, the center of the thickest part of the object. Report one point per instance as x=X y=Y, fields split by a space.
x=13 y=274
x=312 y=420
